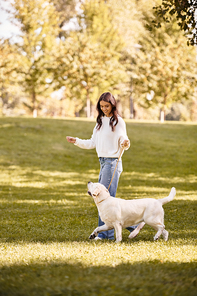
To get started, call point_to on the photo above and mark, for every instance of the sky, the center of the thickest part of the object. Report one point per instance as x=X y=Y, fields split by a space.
x=6 y=28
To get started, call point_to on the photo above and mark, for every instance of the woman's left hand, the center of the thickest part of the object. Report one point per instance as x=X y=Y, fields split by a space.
x=125 y=144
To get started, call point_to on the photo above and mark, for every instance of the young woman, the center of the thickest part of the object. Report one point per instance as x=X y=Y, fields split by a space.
x=109 y=137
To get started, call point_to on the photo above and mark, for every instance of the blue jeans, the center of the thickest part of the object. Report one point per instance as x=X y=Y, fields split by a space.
x=107 y=167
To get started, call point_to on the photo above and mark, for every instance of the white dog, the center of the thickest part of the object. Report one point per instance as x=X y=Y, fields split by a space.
x=119 y=213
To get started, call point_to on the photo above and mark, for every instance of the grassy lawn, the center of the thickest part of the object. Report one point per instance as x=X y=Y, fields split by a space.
x=47 y=216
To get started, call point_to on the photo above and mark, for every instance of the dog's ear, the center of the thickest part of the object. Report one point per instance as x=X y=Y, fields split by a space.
x=96 y=192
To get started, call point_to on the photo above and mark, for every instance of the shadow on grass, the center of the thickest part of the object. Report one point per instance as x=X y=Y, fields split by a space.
x=144 y=278
x=55 y=216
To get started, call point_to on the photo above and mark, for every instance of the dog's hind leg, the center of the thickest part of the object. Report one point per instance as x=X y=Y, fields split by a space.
x=154 y=216
x=135 y=232
x=165 y=235
x=159 y=232
x=99 y=229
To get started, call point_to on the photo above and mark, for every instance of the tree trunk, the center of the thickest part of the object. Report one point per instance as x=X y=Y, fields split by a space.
x=88 y=111
x=163 y=109
x=162 y=115
x=131 y=104
x=35 y=111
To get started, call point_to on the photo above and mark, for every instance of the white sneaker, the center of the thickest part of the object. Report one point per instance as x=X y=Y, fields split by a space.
x=97 y=238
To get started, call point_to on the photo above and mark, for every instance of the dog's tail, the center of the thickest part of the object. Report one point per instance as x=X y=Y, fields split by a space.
x=169 y=197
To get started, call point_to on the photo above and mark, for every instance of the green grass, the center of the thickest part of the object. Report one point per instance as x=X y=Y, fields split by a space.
x=47 y=216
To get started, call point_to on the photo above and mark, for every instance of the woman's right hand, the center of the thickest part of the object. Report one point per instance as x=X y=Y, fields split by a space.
x=71 y=140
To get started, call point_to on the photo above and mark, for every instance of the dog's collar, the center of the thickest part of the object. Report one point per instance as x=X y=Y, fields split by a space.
x=101 y=201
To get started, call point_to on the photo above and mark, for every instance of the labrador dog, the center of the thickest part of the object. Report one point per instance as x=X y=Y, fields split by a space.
x=119 y=213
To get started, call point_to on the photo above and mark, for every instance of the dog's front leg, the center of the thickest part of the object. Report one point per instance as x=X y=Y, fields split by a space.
x=99 y=229
x=118 y=229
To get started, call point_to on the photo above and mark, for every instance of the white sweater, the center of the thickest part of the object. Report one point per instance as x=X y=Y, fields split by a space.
x=106 y=141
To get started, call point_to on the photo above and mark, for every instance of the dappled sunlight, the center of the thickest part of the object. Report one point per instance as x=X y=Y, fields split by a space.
x=6 y=125
x=186 y=195
x=133 y=192
x=137 y=185
x=145 y=190
x=156 y=176
x=91 y=253
x=27 y=201
x=26 y=177
x=29 y=184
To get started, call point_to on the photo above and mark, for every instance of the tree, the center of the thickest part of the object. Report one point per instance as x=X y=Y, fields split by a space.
x=37 y=46
x=8 y=64
x=90 y=62
x=66 y=10
x=128 y=16
x=106 y=39
x=165 y=68
x=185 y=12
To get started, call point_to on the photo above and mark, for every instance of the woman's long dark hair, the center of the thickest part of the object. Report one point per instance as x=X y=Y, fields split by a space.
x=107 y=97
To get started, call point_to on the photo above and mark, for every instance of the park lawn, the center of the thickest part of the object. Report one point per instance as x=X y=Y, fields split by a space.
x=47 y=216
